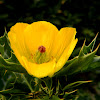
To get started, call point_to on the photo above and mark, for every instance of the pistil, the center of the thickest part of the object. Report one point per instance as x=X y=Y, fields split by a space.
x=41 y=55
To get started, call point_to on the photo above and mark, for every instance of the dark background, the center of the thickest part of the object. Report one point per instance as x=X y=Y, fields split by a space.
x=84 y=15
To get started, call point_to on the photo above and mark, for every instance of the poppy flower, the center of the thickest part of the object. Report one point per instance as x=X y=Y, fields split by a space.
x=41 y=48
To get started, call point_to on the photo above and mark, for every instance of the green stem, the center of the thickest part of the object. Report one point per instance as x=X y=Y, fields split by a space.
x=27 y=83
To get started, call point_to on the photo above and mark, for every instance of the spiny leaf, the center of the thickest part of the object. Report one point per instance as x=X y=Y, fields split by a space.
x=8 y=61
x=48 y=82
x=11 y=91
x=74 y=84
x=67 y=93
x=86 y=49
x=57 y=87
x=94 y=64
x=11 y=66
x=6 y=50
x=12 y=58
x=9 y=80
x=81 y=62
x=1 y=49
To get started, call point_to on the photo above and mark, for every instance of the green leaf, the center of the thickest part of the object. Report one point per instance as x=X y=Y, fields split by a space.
x=86 y=49
x=11 y=91
x=74 y=84
x=5 y=49
x=48 y=82
x=9 y=87
x=52 y=98
x=2 y=49
x=83 y=62
x=13 y=84
x=4 y=46
x=30 y=83
x=37 y=83
x=27 y=83
x=12 y=58
x=55 y=98
x=18 y=97
x=68 y=93
x=79 y=64
x=7 y=79
x=48 y=86
x=4 y=64
x=45 y=98
x=58 y=88
x=94 y=64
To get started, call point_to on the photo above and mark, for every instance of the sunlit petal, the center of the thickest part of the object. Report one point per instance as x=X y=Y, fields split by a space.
x=16 y=38
x=62 y=40
x=66 y=54
x=42 y=34
x=40 y=48
x=40 y=70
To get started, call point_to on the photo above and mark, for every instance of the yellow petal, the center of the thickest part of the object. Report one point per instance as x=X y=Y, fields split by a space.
x=63 y=39
x=66 y=54
x=18 y=55
x=39 y=70
x=40 y=33
x=15 y=36
x=25 y=40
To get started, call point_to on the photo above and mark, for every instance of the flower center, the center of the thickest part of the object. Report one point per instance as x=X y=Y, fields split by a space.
x=42 y=49
x=41 y=55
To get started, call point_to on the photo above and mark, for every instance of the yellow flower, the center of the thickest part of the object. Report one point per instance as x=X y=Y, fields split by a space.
x=41 y=48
